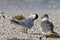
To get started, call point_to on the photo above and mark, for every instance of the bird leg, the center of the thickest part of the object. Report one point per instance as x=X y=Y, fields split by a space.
x=41 y=37
x=25 y=30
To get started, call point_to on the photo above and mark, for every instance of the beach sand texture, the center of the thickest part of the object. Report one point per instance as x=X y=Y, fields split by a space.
x=10 y=30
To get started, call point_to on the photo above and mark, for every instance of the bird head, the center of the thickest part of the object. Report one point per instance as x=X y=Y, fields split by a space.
x=35 y=16
x=45 y=17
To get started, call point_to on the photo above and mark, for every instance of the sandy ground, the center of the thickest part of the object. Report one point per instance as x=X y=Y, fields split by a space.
x=10 y=30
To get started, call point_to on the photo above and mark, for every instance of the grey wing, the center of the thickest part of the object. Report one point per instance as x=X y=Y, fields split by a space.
x=26 y=23
x=22 y=22
x=52 y=27
x=47 y=26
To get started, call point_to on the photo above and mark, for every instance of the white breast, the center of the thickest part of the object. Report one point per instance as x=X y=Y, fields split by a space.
x=44 y=19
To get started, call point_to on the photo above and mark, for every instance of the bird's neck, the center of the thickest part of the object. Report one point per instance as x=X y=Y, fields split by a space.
x=45 y=19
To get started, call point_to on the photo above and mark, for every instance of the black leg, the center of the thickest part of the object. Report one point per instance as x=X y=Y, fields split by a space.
x=40 y=38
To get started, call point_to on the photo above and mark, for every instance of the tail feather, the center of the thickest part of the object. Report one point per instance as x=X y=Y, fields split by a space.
x=14 y=21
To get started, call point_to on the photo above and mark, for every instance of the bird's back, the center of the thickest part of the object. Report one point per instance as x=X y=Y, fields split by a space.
x=46 y=26
x=26 y=22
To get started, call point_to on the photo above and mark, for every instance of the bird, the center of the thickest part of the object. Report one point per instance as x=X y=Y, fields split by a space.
x=27 y=22
x=47 y=28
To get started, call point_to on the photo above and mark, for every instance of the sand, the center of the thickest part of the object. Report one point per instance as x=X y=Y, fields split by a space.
x=10 y=30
